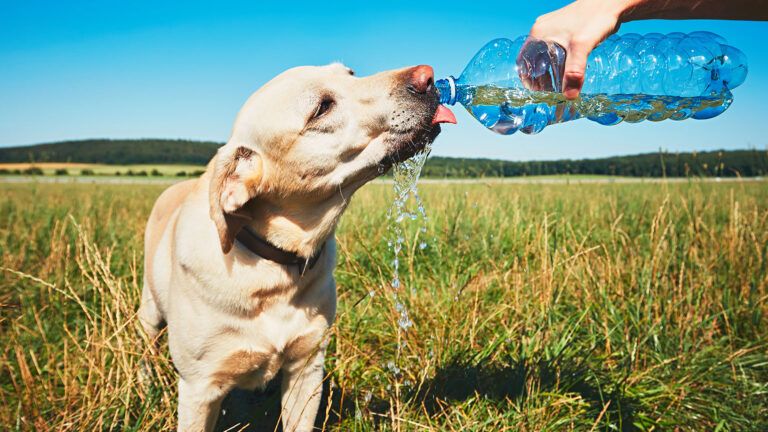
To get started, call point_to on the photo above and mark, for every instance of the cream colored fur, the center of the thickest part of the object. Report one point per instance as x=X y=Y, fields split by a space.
x=300 y=146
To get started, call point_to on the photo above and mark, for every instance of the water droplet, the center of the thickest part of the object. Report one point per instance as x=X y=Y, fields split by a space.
x=404 y=322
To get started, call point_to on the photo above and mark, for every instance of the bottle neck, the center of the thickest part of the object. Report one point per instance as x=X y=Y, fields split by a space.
x=447 y=89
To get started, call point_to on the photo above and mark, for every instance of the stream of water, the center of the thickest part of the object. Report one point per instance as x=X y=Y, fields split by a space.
x=401 y=212
x=406 y=176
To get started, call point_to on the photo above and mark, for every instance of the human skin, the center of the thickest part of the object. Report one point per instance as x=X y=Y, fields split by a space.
x=583 y=24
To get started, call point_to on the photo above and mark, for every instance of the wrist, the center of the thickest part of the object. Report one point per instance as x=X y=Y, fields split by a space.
x=613 y=9
x=630 y=10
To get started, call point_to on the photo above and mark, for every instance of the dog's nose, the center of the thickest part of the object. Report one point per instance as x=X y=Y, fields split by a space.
x=421 y=79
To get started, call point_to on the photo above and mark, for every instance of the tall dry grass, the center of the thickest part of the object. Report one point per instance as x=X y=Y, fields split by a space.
x=536 y=307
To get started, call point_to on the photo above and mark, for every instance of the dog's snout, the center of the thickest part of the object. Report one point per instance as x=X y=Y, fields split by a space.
x=421 y=79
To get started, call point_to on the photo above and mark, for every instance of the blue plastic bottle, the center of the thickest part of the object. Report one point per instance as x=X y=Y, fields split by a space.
x=515 y=85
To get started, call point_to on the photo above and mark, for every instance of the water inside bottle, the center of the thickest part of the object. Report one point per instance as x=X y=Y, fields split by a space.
x=507 y=110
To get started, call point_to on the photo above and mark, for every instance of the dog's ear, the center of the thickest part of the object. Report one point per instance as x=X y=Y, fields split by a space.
x=237 y=178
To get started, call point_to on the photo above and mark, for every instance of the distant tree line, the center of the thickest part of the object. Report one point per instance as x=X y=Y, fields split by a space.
x=721 y=163
x=116 y=152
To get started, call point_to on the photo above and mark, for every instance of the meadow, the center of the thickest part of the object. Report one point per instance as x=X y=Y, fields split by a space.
x=536 y=307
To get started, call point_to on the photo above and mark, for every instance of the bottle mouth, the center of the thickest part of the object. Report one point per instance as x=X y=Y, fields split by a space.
x=446 y=88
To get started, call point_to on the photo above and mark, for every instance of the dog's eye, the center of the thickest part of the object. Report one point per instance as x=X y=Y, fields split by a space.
x=323 y=107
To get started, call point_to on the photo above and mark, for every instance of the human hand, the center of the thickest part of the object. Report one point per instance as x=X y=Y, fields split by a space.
x=578 y=28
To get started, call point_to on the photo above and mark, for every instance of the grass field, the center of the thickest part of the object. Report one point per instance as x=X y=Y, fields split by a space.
x=613 y=307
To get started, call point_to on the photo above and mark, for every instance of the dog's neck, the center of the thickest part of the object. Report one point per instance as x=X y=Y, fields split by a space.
x=296 y=229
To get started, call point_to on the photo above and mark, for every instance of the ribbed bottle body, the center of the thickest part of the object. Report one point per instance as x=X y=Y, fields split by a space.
x=512 y=85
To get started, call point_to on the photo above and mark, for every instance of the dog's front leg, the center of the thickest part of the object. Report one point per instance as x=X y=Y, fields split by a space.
x=301 y=390
x=198 y=407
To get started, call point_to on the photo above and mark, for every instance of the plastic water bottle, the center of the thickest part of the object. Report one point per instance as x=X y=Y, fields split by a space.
x=513 y=85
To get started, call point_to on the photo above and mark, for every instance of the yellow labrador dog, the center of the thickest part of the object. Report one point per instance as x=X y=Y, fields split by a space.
x=239 y=263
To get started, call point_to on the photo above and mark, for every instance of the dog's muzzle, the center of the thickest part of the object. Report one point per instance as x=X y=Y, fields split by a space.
x=418 y=122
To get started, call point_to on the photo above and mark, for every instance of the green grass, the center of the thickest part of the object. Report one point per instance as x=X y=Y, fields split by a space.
x=536 y=308
x=572 y=176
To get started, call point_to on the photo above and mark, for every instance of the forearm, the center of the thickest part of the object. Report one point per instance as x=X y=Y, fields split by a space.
x=755 y=10
x=581 y=25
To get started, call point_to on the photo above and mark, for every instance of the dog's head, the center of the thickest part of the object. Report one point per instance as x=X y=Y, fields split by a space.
x=313 y=135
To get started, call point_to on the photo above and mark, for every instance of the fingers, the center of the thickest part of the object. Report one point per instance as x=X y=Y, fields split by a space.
x=575 y=68
x=533 y=63
x=578 y=27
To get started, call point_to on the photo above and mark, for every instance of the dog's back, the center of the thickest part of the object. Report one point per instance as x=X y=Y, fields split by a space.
x=159 y=224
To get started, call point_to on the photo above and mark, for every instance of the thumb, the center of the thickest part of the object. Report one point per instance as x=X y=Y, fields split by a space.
x=575 y=68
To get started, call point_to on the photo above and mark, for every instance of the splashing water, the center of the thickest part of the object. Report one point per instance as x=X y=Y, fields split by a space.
x=406 y=175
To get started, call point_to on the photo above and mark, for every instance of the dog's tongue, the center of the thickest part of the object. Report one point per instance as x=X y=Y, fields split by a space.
x=443 y=115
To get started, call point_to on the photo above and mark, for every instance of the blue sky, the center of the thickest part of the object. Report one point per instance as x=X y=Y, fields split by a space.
x=120 y=69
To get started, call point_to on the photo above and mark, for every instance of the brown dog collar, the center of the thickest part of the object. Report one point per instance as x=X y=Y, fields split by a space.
x=264 y=249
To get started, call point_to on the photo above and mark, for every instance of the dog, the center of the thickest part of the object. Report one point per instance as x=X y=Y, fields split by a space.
x=239 y=262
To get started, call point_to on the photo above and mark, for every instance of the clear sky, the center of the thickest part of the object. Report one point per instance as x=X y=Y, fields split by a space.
x=127 y=69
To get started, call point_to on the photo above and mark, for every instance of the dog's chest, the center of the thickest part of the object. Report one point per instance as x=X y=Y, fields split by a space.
x=255 y=352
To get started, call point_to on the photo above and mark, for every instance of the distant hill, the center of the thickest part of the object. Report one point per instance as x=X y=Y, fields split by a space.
x=122 y=152
x=719 y=163
x=722 y=163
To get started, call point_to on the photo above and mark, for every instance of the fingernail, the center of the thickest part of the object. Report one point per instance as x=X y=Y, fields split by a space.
x=572 y=85
x=571 y=92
